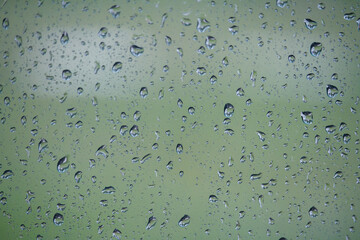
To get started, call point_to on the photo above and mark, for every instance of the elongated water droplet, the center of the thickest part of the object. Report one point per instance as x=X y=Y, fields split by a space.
x=117 y=67
x=108 y=190
x=5 y=23
x=63 y=165
x=310 y=24
x=151 y=223
x=78 y=176
x=42 y=145
x=143 y=92
x=184 y=221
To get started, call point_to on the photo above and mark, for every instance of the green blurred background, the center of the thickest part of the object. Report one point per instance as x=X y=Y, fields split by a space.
x=90 y=105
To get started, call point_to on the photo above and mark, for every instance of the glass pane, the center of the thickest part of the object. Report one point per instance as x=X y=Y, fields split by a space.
x=179 y=119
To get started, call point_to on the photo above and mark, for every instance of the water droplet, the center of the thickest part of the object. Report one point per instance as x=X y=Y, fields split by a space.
x=202 y=24
x=180 y=103
x=349 y=16
x=310 y=24
x=346 y=138
x=58 y=219
x=330 y=129
x=114 y=11
x=184 y=221
x=7 y=174
x=315 y=49
x=143 y=92
x=117 y=67
x=116 y=234
x=331 y=90
x=78 y=176
x=102 y=151
x=42 y=145
x=151 y=223
x=66 y=74
x=240 y=92
x=281 y=3
x=134 y=131
x=307 y=117
x=64 y=39
x=210 y=42
x=234 y=29
x=103 y=32
x=313 y=212
x=291 y=58
x=136 y=51
x=5 y=23
x=310 y=76
x=191 y=110
x=63 y=165
x=108 y=190
x=261 y=135
x=18 y=40
x=213 y=199
x=229 y=110
x=338 y=174
x=255 y=176
x=179 y=148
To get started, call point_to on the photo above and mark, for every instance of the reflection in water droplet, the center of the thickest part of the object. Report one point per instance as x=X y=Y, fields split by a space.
x=313 y=212
x=315 y=49
x=307 y=117
x=151 y=223
x=63 y=165
x=136 y=51
x=66 y=74
x=58 y=219
x=64 y=38
x=184 y=221
x=310 y=24
x=331 y=90
x=143 y=92
x=117 y=67
x=229 y=110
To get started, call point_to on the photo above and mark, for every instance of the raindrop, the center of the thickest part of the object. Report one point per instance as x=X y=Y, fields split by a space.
x=213 y=199
x=78 y=176
x=116 y=234
x=310 y=24
x=136 y=51
x=281 y=3
x=331 y=90
x=184 y=221
x=210 y=42
x=5 y=23
x=186 y=22
x=66 y=74
x=7 y=174
x=58 y=219
x=315 y=49
x=114 y=11
x=63 y=165
x=202 y=24
x=229 y=110
x=18 y=40
x=42 y=145
x=349 y=16
x=103 y=32
x=108 y=190
x=151 y=223
x=313 y=212
x=179 y=148
x=102 y=151
x=64 y=38
x=143 y=92
x=307 y=117
x=134 y=131
x=117 y=67
x=291 y=58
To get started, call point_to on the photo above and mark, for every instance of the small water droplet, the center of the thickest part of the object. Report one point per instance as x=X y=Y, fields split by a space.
x=307 y=117
x=66 y=74
x=210 y=42
x=58 y=219
x=313 y=212
x=310 y=24
x=117 y=67
x=114 y=11
x=63 y=165
x=143 y=92
x=229 y=110
x=64 y=39
x=331 y=90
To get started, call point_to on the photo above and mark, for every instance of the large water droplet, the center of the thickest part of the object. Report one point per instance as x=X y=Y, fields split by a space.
x=66 y=74
x=229 y=110
x=63 y=165
x=307 y=117
x=136 y=51
x=117 y=67
x=58 y=219
x=151 y=223
x=210 y=42
x=313 y=212
x=331 y=90
x=315 y=49
x=310 y=24
x=184 y=221
x=114 y=11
